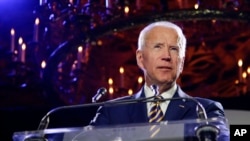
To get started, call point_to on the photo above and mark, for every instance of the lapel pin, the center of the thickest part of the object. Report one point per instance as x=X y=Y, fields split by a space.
x=182 y=106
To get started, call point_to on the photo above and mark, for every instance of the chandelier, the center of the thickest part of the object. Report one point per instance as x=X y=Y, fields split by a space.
x=79 y=45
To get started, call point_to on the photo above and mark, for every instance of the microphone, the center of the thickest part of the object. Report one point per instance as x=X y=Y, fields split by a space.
x=206 y=132
x=201 y=113
x=102 y=91
x=45 y=120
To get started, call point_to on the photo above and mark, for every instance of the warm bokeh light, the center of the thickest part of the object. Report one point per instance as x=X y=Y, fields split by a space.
x=244 y=75
x=240 y=63
x=196 y=6
x=111 y=90
x=99 y=42
x=121 y=70
x=140 y=79
x=130 y=92
x=236 y=82
x=126 y=9
x=110 y=81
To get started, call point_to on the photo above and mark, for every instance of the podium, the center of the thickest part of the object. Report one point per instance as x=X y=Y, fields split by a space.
x=183 y=130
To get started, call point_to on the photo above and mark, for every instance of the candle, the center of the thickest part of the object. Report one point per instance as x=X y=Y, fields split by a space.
x=248 y=77
x=111 y=92
x=121 y=70
x=140 y=80
x=240 y=63
x=43 y=65
x=12 y=39
x=36 y=26
x=110 y=81
x=138 y=4
x=130 y=91
x=108 y=6
x=79 y=57
x=248 y=73
x=42 y=2
x=71 y=2
x=236 y=82
x=23 y=52
x=111 y=89
x=126 y=10
x=196 y=6
x=244 y=77
x=20 y=42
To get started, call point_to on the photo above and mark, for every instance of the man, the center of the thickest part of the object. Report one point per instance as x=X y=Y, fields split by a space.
x=160 y=55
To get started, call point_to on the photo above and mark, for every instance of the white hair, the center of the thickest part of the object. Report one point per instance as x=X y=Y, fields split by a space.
x=181 y=37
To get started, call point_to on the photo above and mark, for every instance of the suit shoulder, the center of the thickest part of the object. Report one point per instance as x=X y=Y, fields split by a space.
x=209 y=102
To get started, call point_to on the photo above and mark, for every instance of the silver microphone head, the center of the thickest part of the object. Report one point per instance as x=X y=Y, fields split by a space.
x=100 y=92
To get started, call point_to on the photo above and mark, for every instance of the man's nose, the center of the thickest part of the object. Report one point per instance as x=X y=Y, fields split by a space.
x=166 y=56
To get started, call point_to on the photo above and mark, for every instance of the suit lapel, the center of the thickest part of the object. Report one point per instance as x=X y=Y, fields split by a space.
x=138 y=111
x=177 y=108
x=175 y=111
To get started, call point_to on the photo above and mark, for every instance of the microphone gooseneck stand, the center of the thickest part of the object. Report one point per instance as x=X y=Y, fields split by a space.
x=204 y=132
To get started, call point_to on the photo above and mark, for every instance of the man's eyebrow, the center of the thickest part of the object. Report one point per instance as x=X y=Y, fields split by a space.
x=159 y=43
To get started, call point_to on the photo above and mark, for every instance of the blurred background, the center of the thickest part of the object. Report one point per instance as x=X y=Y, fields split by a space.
x=60 y=52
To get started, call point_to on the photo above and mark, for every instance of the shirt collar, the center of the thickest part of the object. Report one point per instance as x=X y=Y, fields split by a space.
x=167 y=94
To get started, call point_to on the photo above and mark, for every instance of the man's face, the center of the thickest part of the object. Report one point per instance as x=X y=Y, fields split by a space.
x=160 y=57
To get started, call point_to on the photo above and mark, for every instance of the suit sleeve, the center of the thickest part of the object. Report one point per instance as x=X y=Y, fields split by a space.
x=215 y=109
x=101 y=117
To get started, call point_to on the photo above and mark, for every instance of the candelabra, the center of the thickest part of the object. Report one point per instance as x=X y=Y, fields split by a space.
x=83 y=44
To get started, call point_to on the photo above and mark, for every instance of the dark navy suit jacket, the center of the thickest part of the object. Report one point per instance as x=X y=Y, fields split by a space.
x=137 y=112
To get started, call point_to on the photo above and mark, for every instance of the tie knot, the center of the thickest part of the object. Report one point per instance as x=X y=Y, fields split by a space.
x=158 y=99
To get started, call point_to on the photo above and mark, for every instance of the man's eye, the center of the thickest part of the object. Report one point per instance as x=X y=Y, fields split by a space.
x=174 y=48
x=157 y=46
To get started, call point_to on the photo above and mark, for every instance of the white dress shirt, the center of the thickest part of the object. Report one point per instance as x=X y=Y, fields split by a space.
x=167 y=94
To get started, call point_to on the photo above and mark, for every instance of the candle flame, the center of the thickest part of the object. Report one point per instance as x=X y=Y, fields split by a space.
x=20 y=40
x=126 y=9
x=111 y=90
x=140 y=79
x=43 y=64
x=240 y=63
x=121 y=70
x=130 y=92
x=23 y=46
x=37 y=21
x=110 y=81
x=12 y=31
x=248 y=70
x=244 y=75
x=80 y=49
x=196 y=6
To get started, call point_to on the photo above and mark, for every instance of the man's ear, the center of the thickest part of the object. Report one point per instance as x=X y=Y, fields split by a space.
x=182 y=64
x=139 y=58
